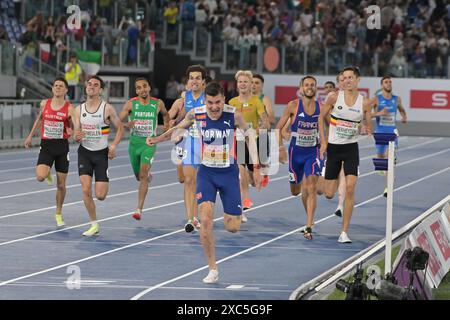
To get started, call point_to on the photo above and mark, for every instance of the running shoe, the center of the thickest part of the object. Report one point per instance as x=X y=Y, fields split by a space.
x=137 y=214
x=212 y=277
x=265 y=181
x=49 y=179
x=247 y=203
x=59 y=220
x=385 y=193
x=338 y=212
x=343 y=238
x=93 y=231
x=244 y=218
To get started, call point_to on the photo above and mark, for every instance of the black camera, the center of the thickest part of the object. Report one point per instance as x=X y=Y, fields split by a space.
x=416 y=259
x=355 y=289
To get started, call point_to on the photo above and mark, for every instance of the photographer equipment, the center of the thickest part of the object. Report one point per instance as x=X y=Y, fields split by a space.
x=356 y=289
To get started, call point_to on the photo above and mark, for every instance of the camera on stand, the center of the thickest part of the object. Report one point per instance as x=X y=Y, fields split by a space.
x=356 y=289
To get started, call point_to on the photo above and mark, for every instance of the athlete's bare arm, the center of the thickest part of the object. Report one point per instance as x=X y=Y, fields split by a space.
x=162 y=109
x=126 y=110
x=36 y=124
x=176 y=112
x=402 y=110
x=367 y=109
x=250 y=140
x=269 y=109
x=184 y=124
x=111 y=115
x=325 y=110
x=263 y=121
x=289 y=110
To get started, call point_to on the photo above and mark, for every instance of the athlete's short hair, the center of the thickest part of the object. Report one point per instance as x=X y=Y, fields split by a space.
x=213 y=89
x=259 y=76
x=338 y=76
x=141 y=79
x=66 y=84
x=245 y=73
x=102 y=83
x=307 y=77
x=208 y=79
x=196 y=68
x=352 y=68
x=330 y=82
x=385 y=77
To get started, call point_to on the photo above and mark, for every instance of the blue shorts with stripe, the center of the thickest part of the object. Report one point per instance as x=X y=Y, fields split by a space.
x=222 y=180
x=303 y=161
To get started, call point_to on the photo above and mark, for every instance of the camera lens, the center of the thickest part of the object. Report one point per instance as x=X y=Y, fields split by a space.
x=342 y=285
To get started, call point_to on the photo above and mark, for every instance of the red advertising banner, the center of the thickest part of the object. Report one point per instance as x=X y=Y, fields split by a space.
x=430 y=99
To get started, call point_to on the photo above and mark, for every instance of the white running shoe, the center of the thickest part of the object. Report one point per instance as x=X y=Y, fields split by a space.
x=212 y=277
x=343 y=238
x=244 y=218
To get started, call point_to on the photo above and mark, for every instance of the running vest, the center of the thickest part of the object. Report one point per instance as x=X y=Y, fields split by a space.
x=189 y=104
x=216 y=137
x=345 y=120
x=305 y=127
x=145 y=119
x=386 y=124
x=95 y=128
x=55 y=122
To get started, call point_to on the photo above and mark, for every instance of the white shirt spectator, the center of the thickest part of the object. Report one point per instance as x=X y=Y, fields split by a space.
x=200 y=15
x=304 y=39
x=318 y=32
x=398 y=64
x=212 y=5
x=307 y=19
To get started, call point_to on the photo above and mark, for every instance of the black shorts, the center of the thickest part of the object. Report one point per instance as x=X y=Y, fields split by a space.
x=263 y=155
x=57 y=151
x=348 y=154
x=90 y=162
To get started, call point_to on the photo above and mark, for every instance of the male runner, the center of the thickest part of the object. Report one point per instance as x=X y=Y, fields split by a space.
x=218 y=171
x=304 y=148
x=347 y=109
x=143 y=113
x=254 y=113
x=95 y=117
x=53 y=119
x=385 y=105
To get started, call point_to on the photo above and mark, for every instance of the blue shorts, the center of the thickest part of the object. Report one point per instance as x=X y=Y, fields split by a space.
x=382 y=149
x=223 y=180
x=303 y=161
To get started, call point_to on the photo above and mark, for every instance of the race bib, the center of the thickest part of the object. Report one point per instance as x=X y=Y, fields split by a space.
x=193 y=132
x=143 y=128
x=53 y=129
x=307 y=138
x=346 y=129
x=93 y=133
x=388 y=120
x=216 y=156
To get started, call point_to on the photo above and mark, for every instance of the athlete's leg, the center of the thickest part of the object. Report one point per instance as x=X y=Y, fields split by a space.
x=342 y=189
x=351 y=181
x=144 y=181
x=60 y=191
x=42 y=172
x=190 y=184
x=101 y=190
x=180 y=173
x=86 y=186
x=206 y=233
x=311 y=200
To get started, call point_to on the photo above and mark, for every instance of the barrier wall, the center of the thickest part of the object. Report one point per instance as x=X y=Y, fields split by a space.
x=425 y=100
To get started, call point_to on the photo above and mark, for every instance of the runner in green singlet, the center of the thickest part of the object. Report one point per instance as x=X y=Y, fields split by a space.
x=143 y=115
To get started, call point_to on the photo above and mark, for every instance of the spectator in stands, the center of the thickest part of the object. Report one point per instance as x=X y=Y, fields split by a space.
x=398 y=64
x=418 y=61
x=72 y=76
x=170 y=15
x=432 y=59
x=255 y=42
x=49 y=35
x=244 y=48
x=3 y=34
x=172 y=93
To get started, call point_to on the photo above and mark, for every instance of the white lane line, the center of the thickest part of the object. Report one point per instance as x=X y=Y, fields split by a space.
x=120 y=248
x=157 y=286
x=406 y=148
x=79 y=202
x=78 y=185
